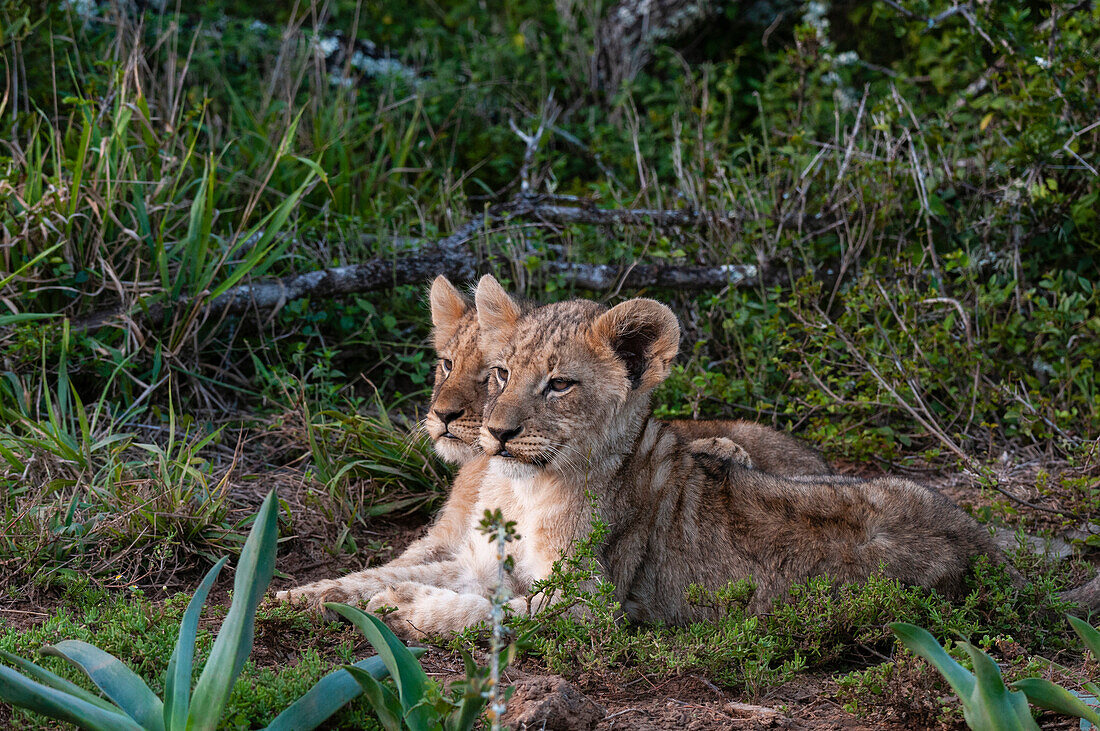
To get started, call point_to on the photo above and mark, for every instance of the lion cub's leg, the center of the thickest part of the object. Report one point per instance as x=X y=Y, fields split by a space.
x=362 y=585
x=419 y=610
x=721 y=448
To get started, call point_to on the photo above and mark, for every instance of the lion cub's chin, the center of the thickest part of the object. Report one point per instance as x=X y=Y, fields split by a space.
x=512 y=469
x=455 y=451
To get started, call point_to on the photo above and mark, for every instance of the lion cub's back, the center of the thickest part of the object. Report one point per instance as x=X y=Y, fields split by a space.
x=771 y=450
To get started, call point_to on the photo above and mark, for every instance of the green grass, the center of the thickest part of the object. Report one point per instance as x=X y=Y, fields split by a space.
x=820 y=626
x=297 y=651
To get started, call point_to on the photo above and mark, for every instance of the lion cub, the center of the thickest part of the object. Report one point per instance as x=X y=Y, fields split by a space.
x=453 y=423
x=568 y=412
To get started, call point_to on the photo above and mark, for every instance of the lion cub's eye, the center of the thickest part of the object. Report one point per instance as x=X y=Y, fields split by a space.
x=502 y=375
x=560 y=384
x=447 y=364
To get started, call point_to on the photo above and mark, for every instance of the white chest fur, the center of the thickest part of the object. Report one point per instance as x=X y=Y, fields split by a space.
x=546 y=518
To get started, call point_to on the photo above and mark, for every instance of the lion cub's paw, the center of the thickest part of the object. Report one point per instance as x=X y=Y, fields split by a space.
x=721 y=448
x=405 y=608
x=313 y=597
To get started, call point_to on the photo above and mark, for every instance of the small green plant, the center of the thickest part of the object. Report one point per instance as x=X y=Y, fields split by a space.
x=418 y=704
x=133 y=706
x=501 y=532
x=988 y=704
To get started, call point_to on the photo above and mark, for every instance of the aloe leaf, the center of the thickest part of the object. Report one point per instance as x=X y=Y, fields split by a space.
x=327 y=696
x=23 y=692
x=234 y=641
x=118 y=682
x=469 y=710
x=992 y=706
x=177 y=679
x=1045 y=694
x=45 y=677
x=386 y=705
x=403 y=667
x=921 y=643
x=1088 y=634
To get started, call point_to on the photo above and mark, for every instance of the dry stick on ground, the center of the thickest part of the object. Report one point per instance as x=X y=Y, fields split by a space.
x=451 y=256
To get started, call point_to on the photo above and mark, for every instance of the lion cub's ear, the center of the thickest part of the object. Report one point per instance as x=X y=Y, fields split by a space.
x=497 y=314
x=645 y=335
x=448 y=307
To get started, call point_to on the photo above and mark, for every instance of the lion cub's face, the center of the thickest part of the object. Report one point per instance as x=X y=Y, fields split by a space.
x=564 y=378
x=458 y=396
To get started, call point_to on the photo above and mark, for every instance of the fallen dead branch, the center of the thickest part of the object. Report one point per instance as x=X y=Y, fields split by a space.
x=452 y=257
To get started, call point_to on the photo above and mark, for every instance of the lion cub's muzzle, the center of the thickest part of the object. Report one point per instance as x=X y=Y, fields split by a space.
x=502 y=436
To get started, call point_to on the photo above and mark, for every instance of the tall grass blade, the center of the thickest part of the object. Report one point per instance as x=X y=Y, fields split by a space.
x=267 y=249
x=38 y=257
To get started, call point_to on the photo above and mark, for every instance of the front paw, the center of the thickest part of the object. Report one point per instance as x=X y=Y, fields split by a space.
x=398 y=608
x=313 y=597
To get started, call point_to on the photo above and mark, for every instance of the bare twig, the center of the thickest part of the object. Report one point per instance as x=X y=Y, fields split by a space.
x=958 y=308
x=550 y=112
x=1074 y=136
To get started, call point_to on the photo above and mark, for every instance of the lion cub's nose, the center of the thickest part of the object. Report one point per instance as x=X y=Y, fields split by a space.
x=448 y=416
x=503 y=435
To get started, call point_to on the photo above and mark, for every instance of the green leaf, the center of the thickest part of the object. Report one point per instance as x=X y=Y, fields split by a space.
x=384 y=508
x=44 y=676
x=234 y=641
x=1045 y=694
x=25 y=693
x=386 y=705
x=6 y=320
x=177 y=678
x=471 y=702
x=994 y=707
x=118 y=682
x=403 y=666
x=328 y=695
x=1088 y=634
x=267 y=248
x=921 y=643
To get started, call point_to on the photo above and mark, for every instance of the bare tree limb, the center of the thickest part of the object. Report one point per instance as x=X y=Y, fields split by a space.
x=452 y=257
x=604 y=276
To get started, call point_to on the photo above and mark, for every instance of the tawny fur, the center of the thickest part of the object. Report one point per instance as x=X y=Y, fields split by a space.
x=454 y=421
x=681 y=505
x=675 y=517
